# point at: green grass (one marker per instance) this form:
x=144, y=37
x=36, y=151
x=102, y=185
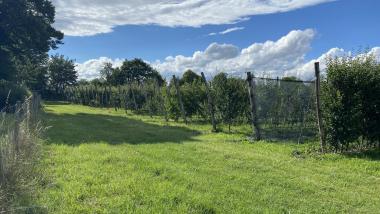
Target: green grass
x=102, y=161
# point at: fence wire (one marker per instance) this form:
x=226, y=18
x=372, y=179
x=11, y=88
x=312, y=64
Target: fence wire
x=285, y=108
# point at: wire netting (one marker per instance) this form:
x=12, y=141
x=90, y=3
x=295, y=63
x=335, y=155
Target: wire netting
x=285, y=107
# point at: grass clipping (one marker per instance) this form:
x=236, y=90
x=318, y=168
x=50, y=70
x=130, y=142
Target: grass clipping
x=19, y=156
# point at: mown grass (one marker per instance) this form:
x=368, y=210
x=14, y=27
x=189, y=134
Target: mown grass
x=102, y=161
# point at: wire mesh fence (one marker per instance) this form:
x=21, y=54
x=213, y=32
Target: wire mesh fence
x=285, y=108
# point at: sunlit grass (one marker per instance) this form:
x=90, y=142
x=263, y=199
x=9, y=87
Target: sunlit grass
x=102, y=161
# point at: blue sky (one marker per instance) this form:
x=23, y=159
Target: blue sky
x=344, y=24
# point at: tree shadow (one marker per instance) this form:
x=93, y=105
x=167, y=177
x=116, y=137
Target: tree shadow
x=81, y=128
x=288, y=134
x=46, y=102
x=373, y=155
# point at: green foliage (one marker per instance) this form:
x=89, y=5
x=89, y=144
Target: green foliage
x=190, y=77
x=61, y=73
x=194, y=99
x=10, y=93
x=27, y=35
x=107, y=71
x=145, y=99
x=134, y=71
x=193, y=94
x=171, y=102
x=231, y=97
x=351, y=102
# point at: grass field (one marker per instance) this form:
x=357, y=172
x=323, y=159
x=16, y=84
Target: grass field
x=102, y=161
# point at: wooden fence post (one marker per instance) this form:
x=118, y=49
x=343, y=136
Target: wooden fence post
x=252, y=99
x=318, y=106
x=179, y=97
x=210, y=103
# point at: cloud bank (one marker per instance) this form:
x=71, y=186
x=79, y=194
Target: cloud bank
x=268, y=58
x=91, y=17
x=284, y=57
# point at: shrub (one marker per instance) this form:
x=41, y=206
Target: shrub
x=351, y=102
x=10, y=93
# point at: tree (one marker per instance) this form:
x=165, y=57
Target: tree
x=34, y=76
x=61, y=72
x=350, y=98
x=138, y=71
x=231, y=98
x=26, y=35
x=107, y=71
x=190, y=77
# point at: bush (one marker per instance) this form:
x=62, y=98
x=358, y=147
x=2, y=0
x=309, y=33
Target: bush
x=351, y=102
x=10, y=93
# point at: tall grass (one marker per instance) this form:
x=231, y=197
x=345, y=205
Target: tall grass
x=19, y=155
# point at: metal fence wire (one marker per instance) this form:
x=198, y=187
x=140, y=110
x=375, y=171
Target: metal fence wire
x=286, y=108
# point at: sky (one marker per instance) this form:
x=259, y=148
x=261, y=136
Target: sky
x=268, y=37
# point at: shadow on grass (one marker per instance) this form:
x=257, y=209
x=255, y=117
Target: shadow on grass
x=56, y=103
x=288, y=134
x=76, y=129
x=373, y=155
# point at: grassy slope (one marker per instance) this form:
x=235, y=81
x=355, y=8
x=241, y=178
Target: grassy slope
x=105, y=162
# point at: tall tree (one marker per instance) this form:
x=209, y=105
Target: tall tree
x=26, y=34
x=138, y=71
x=61, y=73
x=190, y=77
x=107, y=71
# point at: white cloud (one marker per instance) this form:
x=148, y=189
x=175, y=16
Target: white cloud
x=268, y=58
x=284, y=57
x=90, y=17
x=306, y=71
x=91, y=69
x=229, y=30
x=375, y=52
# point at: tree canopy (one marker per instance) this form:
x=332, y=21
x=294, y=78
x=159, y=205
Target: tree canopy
x=26, y=35
x=190, y=77
x=61, y=72
x=133, y=71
